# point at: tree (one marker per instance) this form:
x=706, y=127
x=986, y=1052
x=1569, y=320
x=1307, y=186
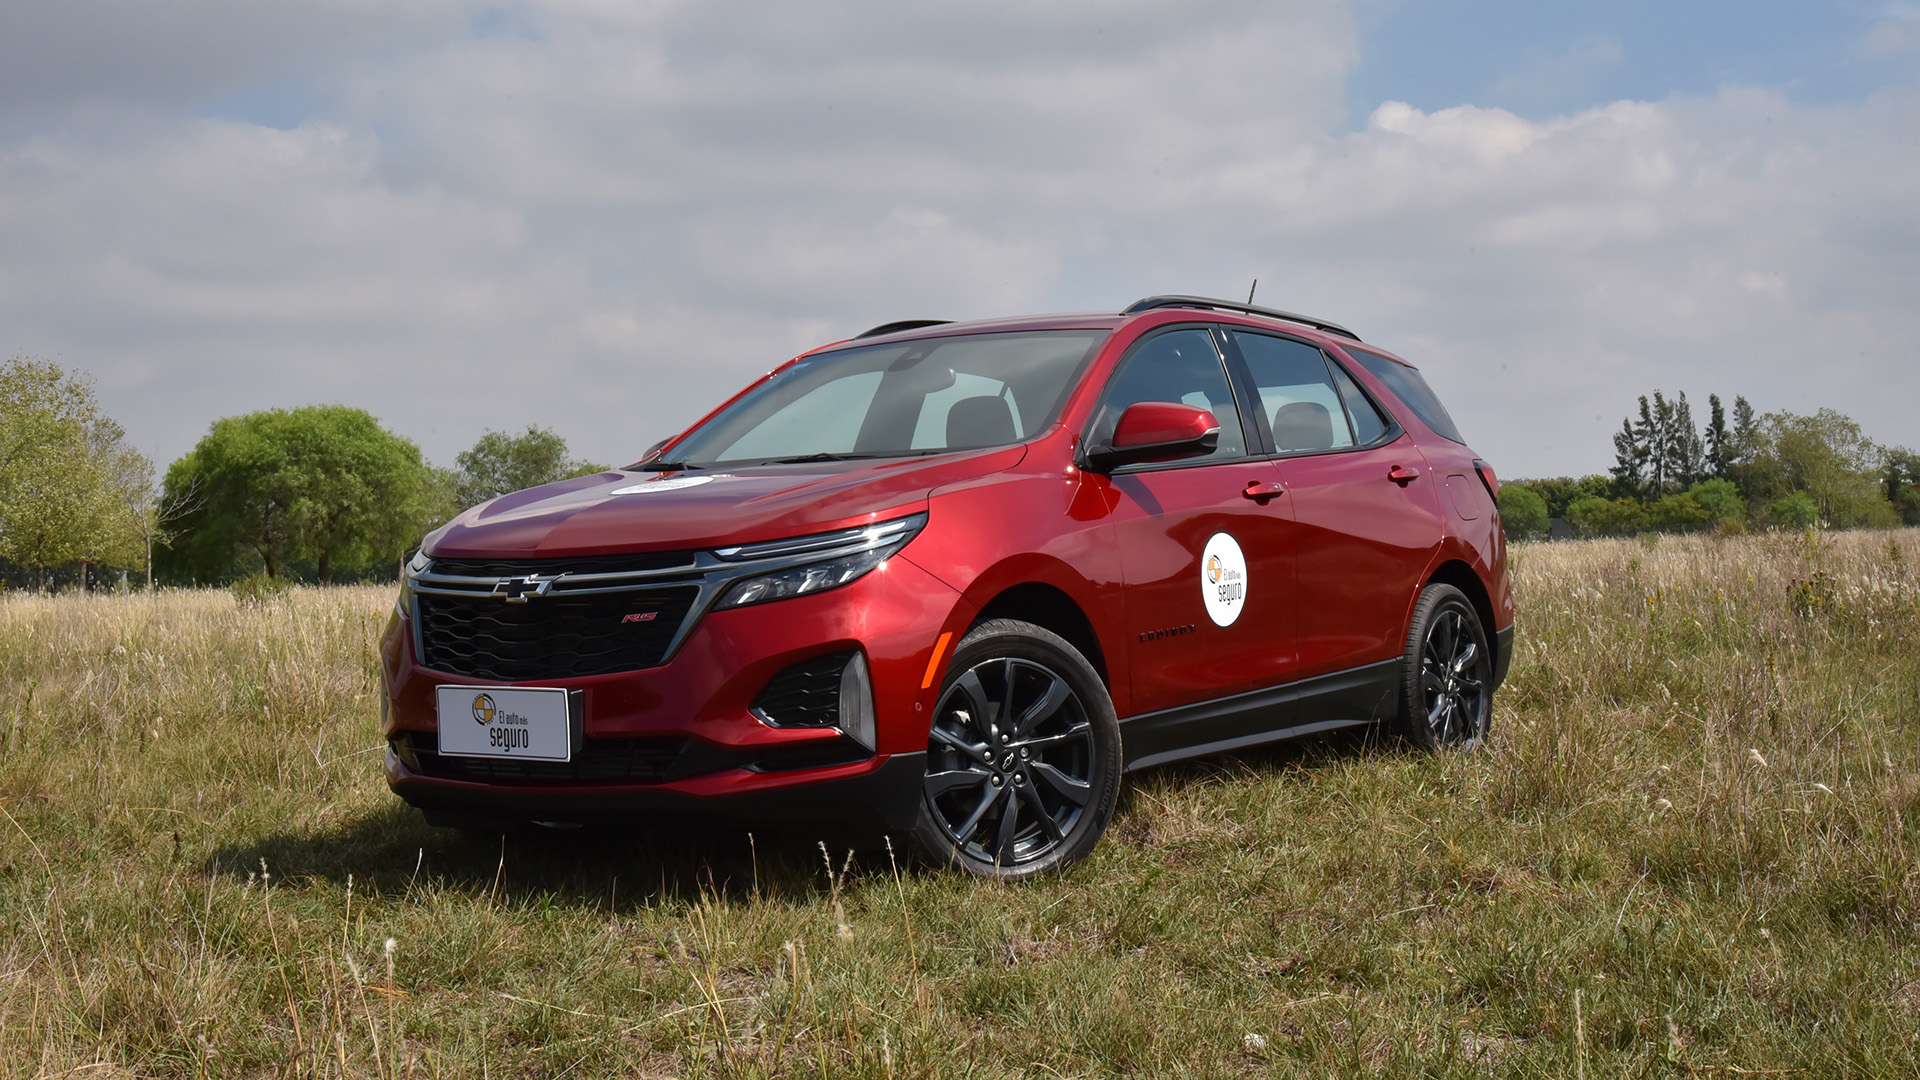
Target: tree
x=1659, y=452
x=68, y=482
x=1719, y=499
x=1592, y=515
x=500, y=463
x=1559, y=492
x=1632, y=453
x=1797, y=510
x=1522, y=513
x=1903, y=483
x=1719, y=441
x=1827, y=456
x=322, y=484
x=1679, y=512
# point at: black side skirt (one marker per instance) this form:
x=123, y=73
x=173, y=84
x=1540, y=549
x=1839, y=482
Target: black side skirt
x=1361, y=695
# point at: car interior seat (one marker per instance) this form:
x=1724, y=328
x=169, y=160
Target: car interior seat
x=985, y=420
x=1303, y=425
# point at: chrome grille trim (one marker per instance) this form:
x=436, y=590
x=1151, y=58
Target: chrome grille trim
x=711, y=572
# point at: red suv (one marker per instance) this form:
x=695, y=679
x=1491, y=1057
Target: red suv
x=954, y=579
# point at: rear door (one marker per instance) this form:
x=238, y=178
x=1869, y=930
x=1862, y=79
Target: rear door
x=1365, y=510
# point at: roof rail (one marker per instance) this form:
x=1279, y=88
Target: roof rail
x=903, y=324
x=1153, y=302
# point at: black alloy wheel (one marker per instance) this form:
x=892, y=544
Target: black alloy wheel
x=1447, y=674
x=1023, y=755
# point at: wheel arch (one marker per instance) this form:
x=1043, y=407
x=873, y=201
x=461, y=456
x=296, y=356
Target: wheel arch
x=1050, y=608
x=1461, y=576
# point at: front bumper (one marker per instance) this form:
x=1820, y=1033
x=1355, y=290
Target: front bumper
x=727, y=763
x=881, y=794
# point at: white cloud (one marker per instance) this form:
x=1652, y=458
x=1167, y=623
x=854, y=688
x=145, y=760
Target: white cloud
x=604, y=217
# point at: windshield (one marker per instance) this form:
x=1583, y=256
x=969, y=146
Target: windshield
x=913, y=397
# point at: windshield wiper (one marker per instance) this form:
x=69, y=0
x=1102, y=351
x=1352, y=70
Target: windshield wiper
x=822, y=456
x=665, y=466
x=864, y=455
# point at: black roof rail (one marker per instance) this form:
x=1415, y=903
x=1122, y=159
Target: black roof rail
x=903, y=324
x=1152, y=302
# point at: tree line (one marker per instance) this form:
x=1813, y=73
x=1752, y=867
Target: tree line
x=1734, y=472
x=324, y=493
x=318, y=493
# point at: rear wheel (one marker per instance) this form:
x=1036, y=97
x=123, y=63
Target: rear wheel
x=1023, y=755
x=1446, y=678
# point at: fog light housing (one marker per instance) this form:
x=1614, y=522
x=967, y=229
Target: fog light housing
x=831, y=691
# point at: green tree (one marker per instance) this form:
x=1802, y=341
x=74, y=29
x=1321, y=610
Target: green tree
x=500, y=463
x=1720, y=499
x=1522, y=513
x=1796, y=510
x=1903, y=483
x=322, y=484
x=70, y=489
x=1679, y=512
x=1559, y=492
x=1827, y=456
x=1592, y=515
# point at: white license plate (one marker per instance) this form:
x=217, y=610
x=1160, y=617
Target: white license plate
x=505, y=722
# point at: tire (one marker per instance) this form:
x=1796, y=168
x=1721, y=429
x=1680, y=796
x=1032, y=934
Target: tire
x=1446, y=676
x=1014, y=801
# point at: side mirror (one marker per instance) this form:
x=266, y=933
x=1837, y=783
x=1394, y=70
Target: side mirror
x=1157, y=431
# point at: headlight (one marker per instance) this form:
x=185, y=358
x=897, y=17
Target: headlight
x=841, y=557
x=419, y=564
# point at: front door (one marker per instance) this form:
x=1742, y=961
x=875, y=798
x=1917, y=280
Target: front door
x=1207, y=564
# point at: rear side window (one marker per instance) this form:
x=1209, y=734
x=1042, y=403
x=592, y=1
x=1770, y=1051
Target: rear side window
x=1309, y=401
x=1409, y=387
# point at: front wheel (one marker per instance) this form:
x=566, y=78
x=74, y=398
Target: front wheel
x=1446, y=676
x=1023, y=756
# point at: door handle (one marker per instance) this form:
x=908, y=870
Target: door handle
x=1261, y=492
x=1402, y=475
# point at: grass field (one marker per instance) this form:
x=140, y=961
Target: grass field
x=1691, y=847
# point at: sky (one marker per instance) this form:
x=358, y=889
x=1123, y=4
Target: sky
x=604, y=216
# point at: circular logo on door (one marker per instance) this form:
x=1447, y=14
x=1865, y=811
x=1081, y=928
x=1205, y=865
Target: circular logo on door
x=483, y=708
x=1223, y=579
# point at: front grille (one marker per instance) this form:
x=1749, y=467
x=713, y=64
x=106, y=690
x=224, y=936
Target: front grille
x=585, y=564
x=806, y=694
x=605, y=761
x=554, y=637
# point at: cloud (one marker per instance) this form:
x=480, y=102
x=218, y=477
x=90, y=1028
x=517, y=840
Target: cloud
x=605, y=217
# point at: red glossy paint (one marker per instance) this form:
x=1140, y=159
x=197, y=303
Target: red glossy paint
x=1336, y=545
x=1161, y=423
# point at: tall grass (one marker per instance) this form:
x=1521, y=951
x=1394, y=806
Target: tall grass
x=1689, y=848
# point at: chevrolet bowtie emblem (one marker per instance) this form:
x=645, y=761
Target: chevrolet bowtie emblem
x=518, y=590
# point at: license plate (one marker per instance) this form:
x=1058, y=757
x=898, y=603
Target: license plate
x=505, y=722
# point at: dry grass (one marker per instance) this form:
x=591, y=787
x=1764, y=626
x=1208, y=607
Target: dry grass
x=1689, y=849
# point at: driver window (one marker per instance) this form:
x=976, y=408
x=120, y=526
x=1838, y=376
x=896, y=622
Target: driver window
x=1180, y=366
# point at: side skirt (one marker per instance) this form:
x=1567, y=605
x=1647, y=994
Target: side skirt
x=1344, y=699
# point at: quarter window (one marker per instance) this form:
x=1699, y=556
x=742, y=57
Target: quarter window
x=1409, y=387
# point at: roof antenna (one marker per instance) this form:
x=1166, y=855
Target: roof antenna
x=1250, y=288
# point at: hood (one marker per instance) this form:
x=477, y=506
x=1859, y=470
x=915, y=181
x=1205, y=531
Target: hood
x=617, y=512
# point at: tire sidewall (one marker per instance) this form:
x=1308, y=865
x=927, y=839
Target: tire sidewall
x=1412, y=726
x=1000, y=638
